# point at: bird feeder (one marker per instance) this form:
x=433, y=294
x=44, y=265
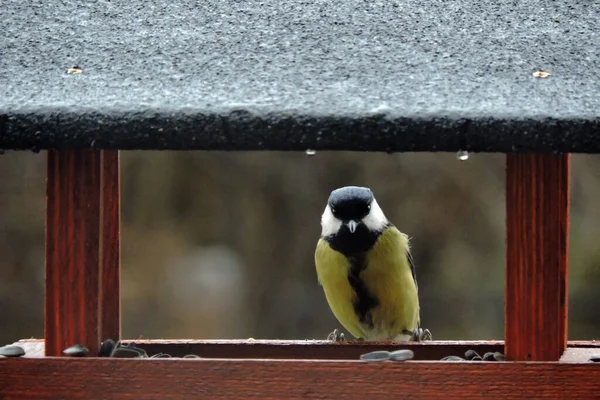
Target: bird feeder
x=86, y=80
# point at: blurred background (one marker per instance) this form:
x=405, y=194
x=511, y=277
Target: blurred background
x=220, y=245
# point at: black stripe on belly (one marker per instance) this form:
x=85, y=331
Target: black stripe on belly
x=365, y=301
x=355, y=247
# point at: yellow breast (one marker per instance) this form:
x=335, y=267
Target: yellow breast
x=388, y=279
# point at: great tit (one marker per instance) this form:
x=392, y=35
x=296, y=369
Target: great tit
x=366, y=270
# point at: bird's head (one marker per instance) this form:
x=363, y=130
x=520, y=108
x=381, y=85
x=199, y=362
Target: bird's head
x=351, y=209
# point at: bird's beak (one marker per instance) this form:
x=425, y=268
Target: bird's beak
x=352, y=225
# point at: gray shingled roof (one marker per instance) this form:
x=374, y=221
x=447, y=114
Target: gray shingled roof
x=391, y=75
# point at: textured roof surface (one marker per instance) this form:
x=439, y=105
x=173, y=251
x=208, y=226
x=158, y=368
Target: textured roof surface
x=391, y=75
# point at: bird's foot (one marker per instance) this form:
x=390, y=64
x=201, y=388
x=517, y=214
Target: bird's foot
x=421, y=335
x=336, y=336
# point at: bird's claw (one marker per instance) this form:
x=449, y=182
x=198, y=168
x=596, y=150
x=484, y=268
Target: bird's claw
x=336, y=336
x=421, y=335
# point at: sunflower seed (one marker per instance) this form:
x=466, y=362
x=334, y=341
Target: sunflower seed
x=489, y=356
x=125, y=352
x=115, y=347
x=499, y=356
x=12, y=351
x=191, y=356
x=161, y=355
x=381, y=355
x=471, y=354
x=77, y=350
x=106, y=348
x=402, y=355
x=453, y=358
x=595, y=357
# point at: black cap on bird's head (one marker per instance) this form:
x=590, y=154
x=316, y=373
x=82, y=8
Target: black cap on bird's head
x=351, y=203
x=351, y=209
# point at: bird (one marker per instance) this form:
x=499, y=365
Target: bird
x=366, y=270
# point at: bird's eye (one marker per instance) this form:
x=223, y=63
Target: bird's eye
x=369, y=207
x=332, y=210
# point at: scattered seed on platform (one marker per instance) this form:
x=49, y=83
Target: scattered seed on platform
x=12, y=351
x=489, y=356
x=499, y=356
x=115, y=347
x=453, y=358
x=381, y=355
x=126, y=352
x=141, y=351
x=595, y=357
x=402, y=355
x=77, y=350
x=106, y=348
x=476, y=358
x=471, y=354
x=161, y=355
x=191, y=356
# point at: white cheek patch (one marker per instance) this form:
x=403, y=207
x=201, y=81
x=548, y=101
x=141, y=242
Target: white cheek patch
x=330, y=225
x=375, y=220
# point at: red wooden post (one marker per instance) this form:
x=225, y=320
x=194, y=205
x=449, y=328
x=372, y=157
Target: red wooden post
x=537, y=229
x=110, y=289
x=80, y=249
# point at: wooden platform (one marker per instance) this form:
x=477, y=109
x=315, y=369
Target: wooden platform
x=298, y=370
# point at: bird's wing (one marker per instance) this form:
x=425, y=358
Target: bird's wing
x=411, y=261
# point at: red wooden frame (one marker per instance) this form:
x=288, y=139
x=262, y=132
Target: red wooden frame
x=102, y=378
x=82, y=249
x=83, y=306
x=537, y=231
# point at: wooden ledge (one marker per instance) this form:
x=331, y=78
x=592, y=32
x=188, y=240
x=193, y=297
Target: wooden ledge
x=91, y=378
x=291, y=349
x=315, y=349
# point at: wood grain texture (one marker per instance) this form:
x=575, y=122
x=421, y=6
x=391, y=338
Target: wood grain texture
x=537, y=228
x=290, y=349
x=75, y=250
x=72, y=250
x=98, y=378
x=110, y=288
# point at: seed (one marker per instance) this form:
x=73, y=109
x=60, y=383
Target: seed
x=381, y=355
x=499, y=356
x=471, y=354
x=161, y=355
x=402, y=355
x=141, y=351
x=12, y=351
x=453, y=358
x=106, y=348
x=595, y=357
x=489, y=356
x=115, y=347
x=131, y=346
x=477, y=358
x=77, y=350
x=125, y=352
x=191, y=356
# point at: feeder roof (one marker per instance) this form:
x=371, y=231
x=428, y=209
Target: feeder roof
x=392, y=75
